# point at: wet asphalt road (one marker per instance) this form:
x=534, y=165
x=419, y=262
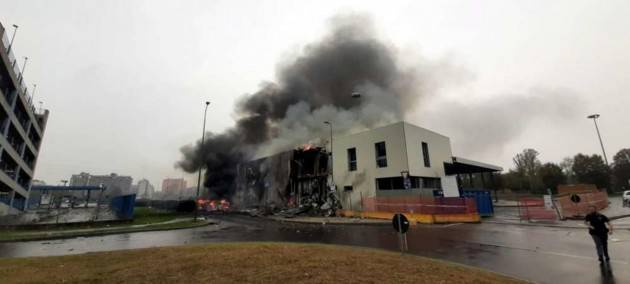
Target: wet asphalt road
x=539, y=254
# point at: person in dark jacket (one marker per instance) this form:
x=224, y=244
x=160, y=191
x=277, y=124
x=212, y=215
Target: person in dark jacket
x=599, y=227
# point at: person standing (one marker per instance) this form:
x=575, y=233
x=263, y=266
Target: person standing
x=599, y=228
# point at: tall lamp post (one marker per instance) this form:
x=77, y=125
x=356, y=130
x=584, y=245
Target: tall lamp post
x=332, y=176
x=203, y=136
x=595, y=117
x=15, y=27
x=23, y=67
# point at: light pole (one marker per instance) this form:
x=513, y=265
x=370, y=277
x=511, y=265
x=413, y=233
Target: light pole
x=15, y=27
x=203, y=136
x=33, y=93
x=332, y=176
x=23, y=67
x=595, y=117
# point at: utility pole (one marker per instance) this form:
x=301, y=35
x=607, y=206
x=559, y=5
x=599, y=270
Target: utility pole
x=203, y=135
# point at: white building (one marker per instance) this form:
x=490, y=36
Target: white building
x=373, y=163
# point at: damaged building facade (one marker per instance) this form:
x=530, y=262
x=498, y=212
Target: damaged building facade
x=396, y=160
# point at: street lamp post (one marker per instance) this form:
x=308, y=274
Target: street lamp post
x=33, y=93
x=23, y=67
x=203, y=136
x=595, y=117
x=332, y=176
x=15, y=27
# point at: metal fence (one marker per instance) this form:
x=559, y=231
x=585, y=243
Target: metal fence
x=531, y=208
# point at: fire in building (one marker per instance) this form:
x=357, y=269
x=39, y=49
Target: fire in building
x=397, y=160
x=355, y=82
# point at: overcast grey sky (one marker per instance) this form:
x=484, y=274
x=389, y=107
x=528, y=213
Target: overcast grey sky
x=126, y=80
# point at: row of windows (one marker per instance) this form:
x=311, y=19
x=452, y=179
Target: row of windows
x=380, y=153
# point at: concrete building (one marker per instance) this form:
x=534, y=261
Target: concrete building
x=400, y=159
x=173, y=186
x=21, y=132
x=145, y=189
x=115, y=185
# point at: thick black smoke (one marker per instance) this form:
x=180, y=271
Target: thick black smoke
x=316, y=83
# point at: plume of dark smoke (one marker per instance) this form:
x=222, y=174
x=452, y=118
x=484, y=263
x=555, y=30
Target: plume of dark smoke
x=316, y=85
x=311, y=88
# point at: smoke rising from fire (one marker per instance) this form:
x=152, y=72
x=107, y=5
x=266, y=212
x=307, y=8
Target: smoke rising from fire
x=316, y=86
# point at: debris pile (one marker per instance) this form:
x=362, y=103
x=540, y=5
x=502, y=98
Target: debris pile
x=289, y=183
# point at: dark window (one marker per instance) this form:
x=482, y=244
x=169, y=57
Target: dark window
x=432, y=183
x=383, y=184
x=392, y=183
x=347, y=188
x=397, y=183
x=425, y=154
x=381, y=155
x=352, y=159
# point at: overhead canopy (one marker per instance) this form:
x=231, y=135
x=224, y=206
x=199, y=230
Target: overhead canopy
x=61, y=187
x=465, y=166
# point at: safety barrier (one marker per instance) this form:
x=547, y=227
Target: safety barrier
x=415, y=217
x=571, y=209
x=420, y=205
x=530, y=208
x=419, y=209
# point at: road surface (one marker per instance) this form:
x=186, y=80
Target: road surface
x=539, y=254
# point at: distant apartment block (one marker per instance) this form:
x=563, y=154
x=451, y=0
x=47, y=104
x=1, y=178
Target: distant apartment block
x=115, y=185
x=21, y=132
x=173, y=185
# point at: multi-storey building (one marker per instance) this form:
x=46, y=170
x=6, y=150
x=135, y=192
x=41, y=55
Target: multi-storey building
x=114, y=184
x=173, y=185
x=21, y=132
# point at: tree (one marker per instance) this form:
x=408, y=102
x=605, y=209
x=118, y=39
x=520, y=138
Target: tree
x=567, y=168
x=551, y=175
x=621, y=169
x=592, y=170
x=514, y=181
x=526, y=165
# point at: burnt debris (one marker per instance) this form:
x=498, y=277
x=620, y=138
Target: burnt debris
x=288, y=183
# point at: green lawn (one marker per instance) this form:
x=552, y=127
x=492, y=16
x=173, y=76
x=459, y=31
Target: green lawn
x=243, y=263
x=146, y=215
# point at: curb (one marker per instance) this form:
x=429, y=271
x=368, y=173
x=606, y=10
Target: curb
x=103, y=233
x=289, y=220
x=619, y=217
x=551, y=225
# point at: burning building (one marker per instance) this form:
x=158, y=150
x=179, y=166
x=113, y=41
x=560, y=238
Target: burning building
x=297, y=178
x=317, y=85
x=396, y=160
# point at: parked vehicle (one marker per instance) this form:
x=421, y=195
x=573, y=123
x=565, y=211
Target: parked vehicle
x=626, y=198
